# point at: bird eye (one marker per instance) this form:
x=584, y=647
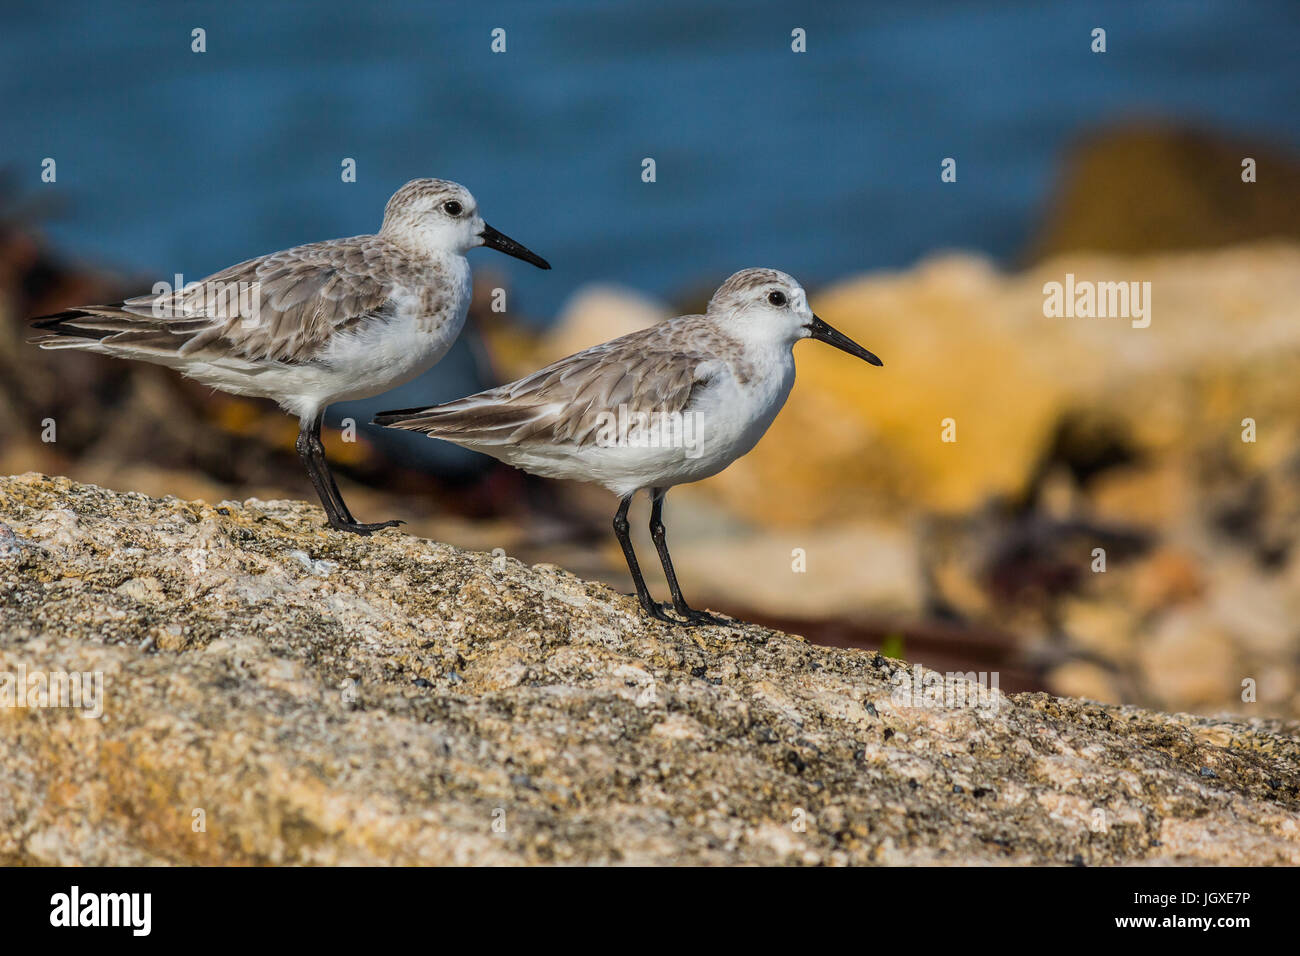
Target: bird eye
x=776, y=298
x=452, y=207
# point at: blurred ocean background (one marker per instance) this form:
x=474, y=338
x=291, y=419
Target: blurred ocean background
x=824, y=164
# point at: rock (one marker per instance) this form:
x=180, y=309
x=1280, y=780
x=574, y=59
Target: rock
x=1147, y=187
x=1105, y=628
x=1190, y=658
x=1087, y=680
x=274, y=692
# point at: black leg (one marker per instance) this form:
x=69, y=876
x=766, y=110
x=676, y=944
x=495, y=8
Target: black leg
x=623, y=533
x=658, y=533
x=312, y=453
x=308, y=439
x=323, y=467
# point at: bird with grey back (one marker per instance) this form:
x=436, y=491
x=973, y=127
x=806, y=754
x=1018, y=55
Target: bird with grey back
x=312, y=325
x=669, y=404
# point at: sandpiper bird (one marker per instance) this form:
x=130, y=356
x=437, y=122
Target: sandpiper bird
x=320, y=323
x=670, y=404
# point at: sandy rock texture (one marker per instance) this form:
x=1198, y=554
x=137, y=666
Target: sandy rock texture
x=274, y=692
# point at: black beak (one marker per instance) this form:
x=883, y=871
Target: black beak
x=503, y=243
x=824, y=333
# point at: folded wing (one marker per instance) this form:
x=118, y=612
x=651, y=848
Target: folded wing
x=282, y=307
x=660, y=369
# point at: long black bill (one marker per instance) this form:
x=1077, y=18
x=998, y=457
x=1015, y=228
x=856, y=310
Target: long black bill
x=824, y=333
x=503, y=243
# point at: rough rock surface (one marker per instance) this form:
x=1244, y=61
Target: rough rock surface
x=278, y=693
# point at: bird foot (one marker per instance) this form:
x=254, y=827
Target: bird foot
x=658, y=612
x=694, y=618
x=357, y=527
x=689, y=616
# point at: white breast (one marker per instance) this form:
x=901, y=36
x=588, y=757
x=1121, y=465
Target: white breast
x=727, y=420
x=737, y=414
x=379, y=355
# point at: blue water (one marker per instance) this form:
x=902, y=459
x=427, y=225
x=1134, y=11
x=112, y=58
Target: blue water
x=823, y=164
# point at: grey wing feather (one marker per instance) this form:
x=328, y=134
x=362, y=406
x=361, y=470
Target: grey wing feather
x=659, y=369
x=281, y=308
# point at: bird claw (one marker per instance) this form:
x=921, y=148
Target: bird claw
x=659, y=613
x=356, y=527
x=689, y=616
x=694, y=618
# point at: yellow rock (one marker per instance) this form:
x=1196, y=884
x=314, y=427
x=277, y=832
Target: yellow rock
x=1084, y=680
x=1189, y=661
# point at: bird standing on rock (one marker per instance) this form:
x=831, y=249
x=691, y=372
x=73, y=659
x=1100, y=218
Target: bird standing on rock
x=663, y=406
x=315, y=324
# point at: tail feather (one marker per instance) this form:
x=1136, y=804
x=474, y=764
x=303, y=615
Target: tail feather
x=461, y=420
x=90, y=324
x=120, y=328
x=400, y=418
